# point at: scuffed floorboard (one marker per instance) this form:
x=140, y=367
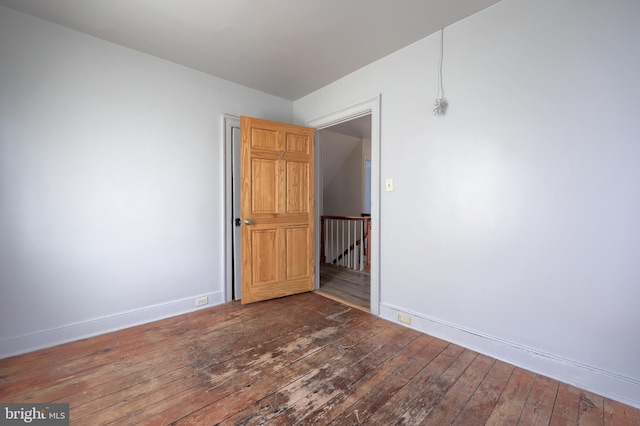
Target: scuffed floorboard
x=304, y=359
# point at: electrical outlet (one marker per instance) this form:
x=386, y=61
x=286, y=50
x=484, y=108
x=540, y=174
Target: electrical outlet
x=202, y=301
x=404, y=318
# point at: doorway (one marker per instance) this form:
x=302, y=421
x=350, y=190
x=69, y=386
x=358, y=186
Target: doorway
x=231, y=124
x=344, y=203
x=368, y=107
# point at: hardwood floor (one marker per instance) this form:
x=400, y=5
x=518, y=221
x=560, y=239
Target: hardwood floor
x=298, y=360
x=346, y=285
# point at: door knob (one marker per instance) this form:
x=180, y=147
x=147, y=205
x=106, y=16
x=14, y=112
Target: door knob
x=248, y=222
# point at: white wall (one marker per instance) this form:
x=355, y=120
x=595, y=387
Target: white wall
x=342, y=183
x=111, y=183
x=527, y=191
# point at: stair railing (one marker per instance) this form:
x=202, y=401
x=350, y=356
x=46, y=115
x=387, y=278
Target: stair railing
x=345, y=241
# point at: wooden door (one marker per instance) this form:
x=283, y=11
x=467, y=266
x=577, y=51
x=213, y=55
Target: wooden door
x=277, y=208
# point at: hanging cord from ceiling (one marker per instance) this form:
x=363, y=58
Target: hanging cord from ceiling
x=441, y=104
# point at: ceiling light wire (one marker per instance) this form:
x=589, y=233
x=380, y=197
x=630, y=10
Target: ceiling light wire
x=441, y=104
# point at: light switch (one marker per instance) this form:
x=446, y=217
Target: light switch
x=389, y=185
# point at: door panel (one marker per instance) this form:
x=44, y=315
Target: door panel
x=277, y=201
x=265, y=139
x=297, y=144
x=298, y=250
x=297, y=188
x=265, y=256
x=265, y=174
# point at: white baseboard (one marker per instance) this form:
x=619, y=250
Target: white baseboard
x=47, y=338
x=596, y=380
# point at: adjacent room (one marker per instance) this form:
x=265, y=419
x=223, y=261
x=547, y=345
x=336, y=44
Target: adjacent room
x=344, y=204
x=491, y=185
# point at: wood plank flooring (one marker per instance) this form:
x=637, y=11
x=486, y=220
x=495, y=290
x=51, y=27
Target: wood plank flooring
x=346, y=285
x=304, y=359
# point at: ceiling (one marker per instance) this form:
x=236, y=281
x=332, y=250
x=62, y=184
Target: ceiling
x=288, y=48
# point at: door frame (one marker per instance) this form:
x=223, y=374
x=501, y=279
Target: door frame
x=229, y=122
x=370, y=106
